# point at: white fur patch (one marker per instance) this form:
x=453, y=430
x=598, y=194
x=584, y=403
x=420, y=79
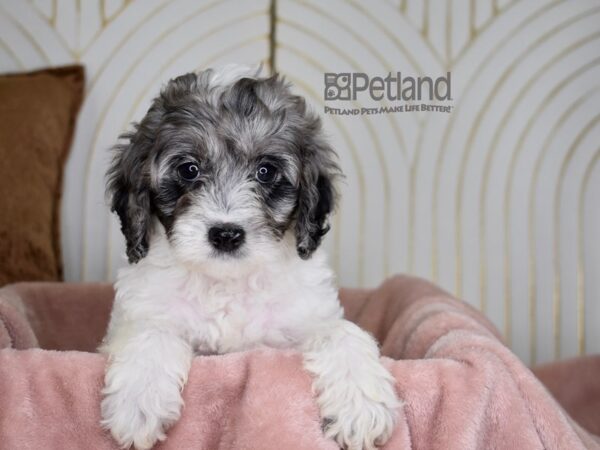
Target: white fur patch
x=164, y=313
x=228, y=74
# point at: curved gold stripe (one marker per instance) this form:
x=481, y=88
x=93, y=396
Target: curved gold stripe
x=448, y=33
x=487, y=167
x=108, y=104
x=41, y=13
x=403, y=4
x=425, y=24
x=534, y=181
x=12, y=54
x=412, y=198
x=374, y=137
x=192, y=14
x=54, y=13
x=102, y=4
x=355, y=159
x=411, y=164
x=444, y=143
x=365, y=12
x=378, y=55
x=272, y=36
x=508, y=196
x=57, y=34
x=469, y=145
x=461, y=53
x=580, y=258
x=100, y=30
x=557, y=239
x=472, y=27
x=106, y=18
x=27, y=34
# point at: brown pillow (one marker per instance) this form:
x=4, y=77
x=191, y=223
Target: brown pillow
x=37, y=119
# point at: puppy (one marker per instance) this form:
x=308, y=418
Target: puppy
x=223, y=192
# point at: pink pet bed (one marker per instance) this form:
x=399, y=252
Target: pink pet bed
x=463, y=389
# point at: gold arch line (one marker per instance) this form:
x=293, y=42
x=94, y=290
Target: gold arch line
x=412, y=163
x=444, y=143
x=377, y=55
x=52, y=25
x=425, y=25
x=106, y=108
x=486, y=174
x=469, y=145
x=448, y=33
x=54, y=12
x=125, y=39
x=580, y=258
x=449, y=60
x=557, y=191
x=192, y=15
x=355, y=159
x=109, y=18
x=536, y=173
x=479, y=31
x=12, y=54
x=403, y=5
x=472, y=27
x=27, y=35
x=397, y=41
x=374, y=137
x=50, y=19
x=572, y=77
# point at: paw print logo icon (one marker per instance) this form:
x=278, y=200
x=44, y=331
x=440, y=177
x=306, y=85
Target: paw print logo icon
x=337, y=86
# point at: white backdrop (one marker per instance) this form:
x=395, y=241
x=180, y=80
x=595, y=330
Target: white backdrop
x=497, y=201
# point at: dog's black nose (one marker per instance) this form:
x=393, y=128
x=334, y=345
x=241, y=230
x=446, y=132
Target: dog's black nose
x=226, y=237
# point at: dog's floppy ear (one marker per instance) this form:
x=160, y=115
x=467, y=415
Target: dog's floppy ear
x=129, y=191
x=129, y=186
x=129, y=181
x=317, y=195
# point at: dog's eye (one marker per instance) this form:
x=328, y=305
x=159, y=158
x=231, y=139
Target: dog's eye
x=189, y=171
x=266, y=173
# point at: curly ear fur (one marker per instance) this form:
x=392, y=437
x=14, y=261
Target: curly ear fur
x=129, y=185
x=317, y=195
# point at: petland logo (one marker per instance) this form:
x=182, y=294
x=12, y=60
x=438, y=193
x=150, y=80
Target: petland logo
x=392, y=88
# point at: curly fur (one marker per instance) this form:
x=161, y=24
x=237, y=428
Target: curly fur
x=182, y=296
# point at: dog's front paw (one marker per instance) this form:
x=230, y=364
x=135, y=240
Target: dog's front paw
x=360, y=416
x=138, y=414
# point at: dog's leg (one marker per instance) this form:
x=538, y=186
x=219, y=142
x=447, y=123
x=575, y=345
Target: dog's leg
x=146, y=372
x=354, y=391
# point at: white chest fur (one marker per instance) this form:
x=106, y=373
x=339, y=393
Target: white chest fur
x=275, y=305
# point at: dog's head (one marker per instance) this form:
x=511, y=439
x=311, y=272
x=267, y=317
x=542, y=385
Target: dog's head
x=229, y=164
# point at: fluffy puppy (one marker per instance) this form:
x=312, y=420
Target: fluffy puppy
x=223, y=192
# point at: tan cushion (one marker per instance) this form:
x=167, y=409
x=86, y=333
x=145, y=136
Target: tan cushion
x=38, y=111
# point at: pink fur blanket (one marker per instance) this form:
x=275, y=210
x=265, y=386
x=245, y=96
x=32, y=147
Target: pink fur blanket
x=463, y=389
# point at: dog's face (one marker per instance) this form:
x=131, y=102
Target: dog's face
x=229, y=164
